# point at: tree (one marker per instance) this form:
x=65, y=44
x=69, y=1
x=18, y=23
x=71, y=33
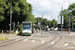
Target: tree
x=38, y=19
x=72, y=7
x=31, y=18
x=1, y=10
x=21, y=10
x=49, y=24
x=54, y=23
x=45, y=22
x=65, y=13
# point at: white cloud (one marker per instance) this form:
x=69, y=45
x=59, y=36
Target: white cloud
x=49, y=8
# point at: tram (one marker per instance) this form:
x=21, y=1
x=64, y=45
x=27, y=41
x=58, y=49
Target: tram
x=26, y=28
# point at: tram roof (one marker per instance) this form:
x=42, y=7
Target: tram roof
x=26, y=22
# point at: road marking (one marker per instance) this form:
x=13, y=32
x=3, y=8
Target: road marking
x=43, y=41
x=49, y=36
x=52, y=43
x=66, y=44
x=25, y=40
x=19, y=39
x=33, y=40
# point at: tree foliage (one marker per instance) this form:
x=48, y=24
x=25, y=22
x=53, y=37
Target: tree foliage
x=46, y=22
x=1, y=10
x=38, y=19
x=54, y=23
x=21, y=11
x=66, y=13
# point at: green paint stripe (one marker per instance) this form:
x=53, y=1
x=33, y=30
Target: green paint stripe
x=27, y=33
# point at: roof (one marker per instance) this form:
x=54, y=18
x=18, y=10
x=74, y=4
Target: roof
x=26, y=22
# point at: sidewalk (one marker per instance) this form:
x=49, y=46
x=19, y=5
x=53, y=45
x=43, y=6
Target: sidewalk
x=10, y=36
x=38, y=36
x=70, y=39
x=65, y=32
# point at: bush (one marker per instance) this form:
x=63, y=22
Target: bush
x=20, y=30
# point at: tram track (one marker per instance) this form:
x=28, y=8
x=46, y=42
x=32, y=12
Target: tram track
x=49, y=48
x=12, y=41
x=49, y=42
x=38, y=47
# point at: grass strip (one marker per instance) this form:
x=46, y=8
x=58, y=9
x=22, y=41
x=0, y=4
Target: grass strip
x=2, y=38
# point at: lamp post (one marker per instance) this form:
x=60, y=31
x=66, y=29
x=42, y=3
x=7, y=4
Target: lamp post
x=42, y=24
x=72, y=23
x=61, y=15
x=54, y=26
x=61, y=18
x=13, y=26
x=72, y=19
x=10, y=15
x=69, y=21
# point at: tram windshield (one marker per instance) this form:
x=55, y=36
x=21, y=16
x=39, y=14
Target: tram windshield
x=26, y=27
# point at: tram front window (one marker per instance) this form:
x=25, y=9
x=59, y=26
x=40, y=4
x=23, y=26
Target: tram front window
x=26, y=27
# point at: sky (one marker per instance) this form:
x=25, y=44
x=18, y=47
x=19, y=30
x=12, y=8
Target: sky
x=49, y=9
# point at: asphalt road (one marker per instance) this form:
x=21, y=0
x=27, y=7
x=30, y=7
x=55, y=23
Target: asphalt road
x=47, y=41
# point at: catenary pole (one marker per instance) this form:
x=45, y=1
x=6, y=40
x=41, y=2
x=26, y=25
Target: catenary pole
x=61, y=18
x=10, y=15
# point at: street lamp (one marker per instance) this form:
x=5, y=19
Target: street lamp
x=54, y=26
x=61, y=15
x=69, y=20
x=61, y=18
x=13, y=26
x=72, y=19
x=10, y=15
x=72, y=23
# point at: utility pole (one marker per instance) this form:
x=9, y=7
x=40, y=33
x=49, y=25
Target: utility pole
x=10, y=15
x=69, y=22
x=61, y=18
x=72, y=23
x=13, y=26
x=54, y=26
x=42, y=24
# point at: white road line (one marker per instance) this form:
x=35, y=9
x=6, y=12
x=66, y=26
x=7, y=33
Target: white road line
x=49, y=36
x=43, y=41
x=19, y=39
x=52, y=43
x=25, y=40
x=66, y=44
x=33, y=40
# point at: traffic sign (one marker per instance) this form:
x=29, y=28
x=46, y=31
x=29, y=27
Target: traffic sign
x=59, y=19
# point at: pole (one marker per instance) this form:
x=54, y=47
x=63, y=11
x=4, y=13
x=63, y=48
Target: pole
x=13, y=28
x=61, y=18
x=18, y=26
x=40, y=32
x=69, y=22
x=10, y=15
x=72, y=23
x=54, y=26
x=50, y=26
x=42, y=24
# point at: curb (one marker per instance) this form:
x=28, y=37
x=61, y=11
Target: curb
x=70, y=40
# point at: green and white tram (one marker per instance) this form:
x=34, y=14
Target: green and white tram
x=26, y=28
